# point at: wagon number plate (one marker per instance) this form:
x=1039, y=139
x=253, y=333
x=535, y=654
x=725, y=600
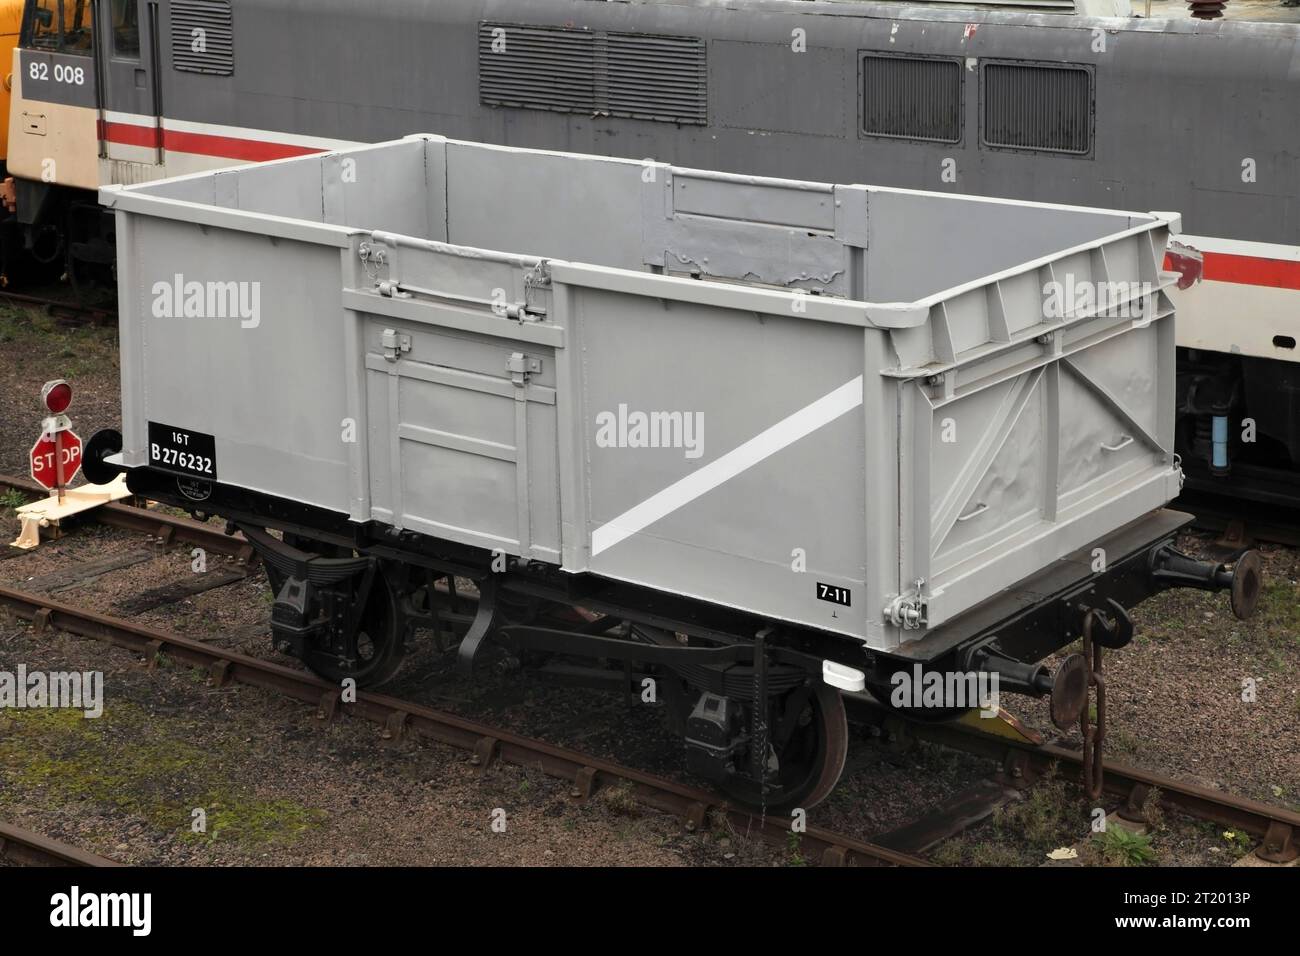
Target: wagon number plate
x=182, y=451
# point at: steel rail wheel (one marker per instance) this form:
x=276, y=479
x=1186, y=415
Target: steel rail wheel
x=808, y=744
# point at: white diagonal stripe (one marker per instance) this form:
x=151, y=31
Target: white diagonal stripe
x=784, y=433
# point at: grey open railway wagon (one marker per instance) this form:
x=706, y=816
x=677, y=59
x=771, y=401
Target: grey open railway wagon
x=758, y=440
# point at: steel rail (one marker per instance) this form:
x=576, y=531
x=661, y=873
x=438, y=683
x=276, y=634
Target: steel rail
x=1277, y=827
x=58, y=308
x=1239, y=526
x=400, y=718
x=32, y=849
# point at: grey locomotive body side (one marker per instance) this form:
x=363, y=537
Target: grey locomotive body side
x=1177, y=105
x=1180, y=115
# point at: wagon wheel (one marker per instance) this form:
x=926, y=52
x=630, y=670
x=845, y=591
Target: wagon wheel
x=379, y=643
x=808, y=744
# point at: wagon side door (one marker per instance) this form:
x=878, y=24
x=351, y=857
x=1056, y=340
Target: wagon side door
x=460, y=405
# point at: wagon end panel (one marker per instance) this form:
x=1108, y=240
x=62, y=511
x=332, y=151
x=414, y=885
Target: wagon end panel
x=1030, y=442
x=231, y=348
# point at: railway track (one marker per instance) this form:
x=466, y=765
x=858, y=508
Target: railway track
x=25, y=848
x=1239, y=523
x=166, y=528
x=65, y=312
x=1021, y=758
x=400, y=719
x=1024, y=758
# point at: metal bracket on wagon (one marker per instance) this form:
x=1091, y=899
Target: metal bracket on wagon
x=898, y=315
x=384, y=250
x=1245, y=581
x=910, y=609
x=520, y=367
x=486, y=621
x=1110, y=625
x=537, y=282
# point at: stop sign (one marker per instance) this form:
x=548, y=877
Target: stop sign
x=44, y=468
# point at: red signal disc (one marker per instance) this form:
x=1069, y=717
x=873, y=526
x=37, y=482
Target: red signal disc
x=57, y=396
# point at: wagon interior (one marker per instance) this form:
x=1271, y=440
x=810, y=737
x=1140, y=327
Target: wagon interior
x=531, y=203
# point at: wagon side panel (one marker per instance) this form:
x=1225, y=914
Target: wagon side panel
x=722, y=454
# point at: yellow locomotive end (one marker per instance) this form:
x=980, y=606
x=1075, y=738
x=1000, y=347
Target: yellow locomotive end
x=11, y=19
x=54, y=108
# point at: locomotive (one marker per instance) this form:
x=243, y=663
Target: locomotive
x=11, y=13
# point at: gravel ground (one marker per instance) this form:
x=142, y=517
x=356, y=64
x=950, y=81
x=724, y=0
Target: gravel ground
x=279, y=788
x=892, y=786
x=35, y=349
x=1204, y=697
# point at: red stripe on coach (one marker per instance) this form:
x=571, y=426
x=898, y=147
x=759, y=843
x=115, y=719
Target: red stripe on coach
x=230, y=147
x=1252, y=270
x=204, y=144
x=128, y=134
x=1249, y=270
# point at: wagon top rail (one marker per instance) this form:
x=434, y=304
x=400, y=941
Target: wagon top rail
x=854, y=254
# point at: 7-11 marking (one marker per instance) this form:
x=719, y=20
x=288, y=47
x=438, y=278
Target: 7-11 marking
x=834, y=594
